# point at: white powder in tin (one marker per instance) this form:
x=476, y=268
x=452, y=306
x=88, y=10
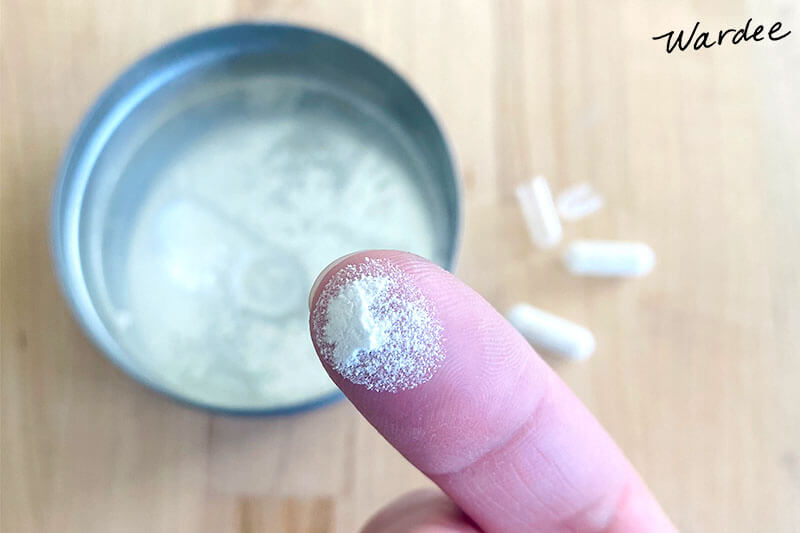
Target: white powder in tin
x=235, y=228
x=376, y=329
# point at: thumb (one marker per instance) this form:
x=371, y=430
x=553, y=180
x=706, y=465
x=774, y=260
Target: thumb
x=427, y=511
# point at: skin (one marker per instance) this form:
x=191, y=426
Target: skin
x=497, y=430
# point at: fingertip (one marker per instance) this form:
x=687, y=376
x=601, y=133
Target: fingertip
x=455, y=364
x=323, y=274
x=372, y=325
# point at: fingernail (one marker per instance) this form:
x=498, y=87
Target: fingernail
x=322, y=274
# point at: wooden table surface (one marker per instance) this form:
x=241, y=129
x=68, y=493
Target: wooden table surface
x=697, y=371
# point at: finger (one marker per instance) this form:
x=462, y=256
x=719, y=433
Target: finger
x=474, y=407
x=423, y=511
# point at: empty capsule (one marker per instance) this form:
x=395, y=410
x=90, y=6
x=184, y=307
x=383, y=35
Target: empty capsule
x=612, y=259
x=539, y=211
x=578, y=201
x=552, y=333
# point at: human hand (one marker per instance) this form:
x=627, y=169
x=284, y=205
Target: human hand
x=493, y=426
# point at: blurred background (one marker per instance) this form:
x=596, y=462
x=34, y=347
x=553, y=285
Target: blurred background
x=697, y=369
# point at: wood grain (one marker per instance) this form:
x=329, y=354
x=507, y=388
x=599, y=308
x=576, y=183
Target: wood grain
x=698, y=365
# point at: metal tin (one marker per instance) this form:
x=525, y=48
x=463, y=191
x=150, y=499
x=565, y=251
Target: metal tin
x=146, y=89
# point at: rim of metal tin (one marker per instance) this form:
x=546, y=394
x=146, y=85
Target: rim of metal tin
x=128, y=90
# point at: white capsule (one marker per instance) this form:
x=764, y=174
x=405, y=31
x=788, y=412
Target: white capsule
x=609, y=259
x=539, y=211
x=548, y=332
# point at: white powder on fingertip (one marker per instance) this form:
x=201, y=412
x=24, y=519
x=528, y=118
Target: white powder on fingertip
x=375, y=328
x=351, y=324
